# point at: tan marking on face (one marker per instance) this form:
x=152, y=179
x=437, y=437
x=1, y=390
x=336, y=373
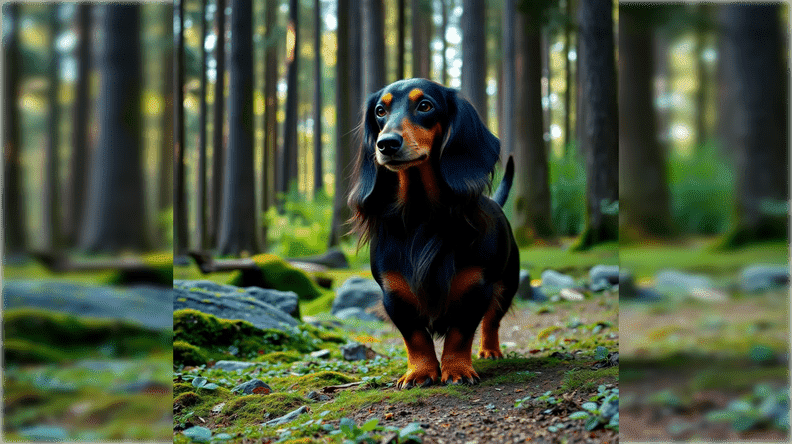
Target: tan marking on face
x=387, y=99
x=416, y=95
x=417, y=139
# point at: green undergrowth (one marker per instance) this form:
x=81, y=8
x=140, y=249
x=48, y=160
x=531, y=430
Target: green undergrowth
x=539, y=258
x=34, y=335
x=588, y=379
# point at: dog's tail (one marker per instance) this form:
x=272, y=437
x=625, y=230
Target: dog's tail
x=502, y=193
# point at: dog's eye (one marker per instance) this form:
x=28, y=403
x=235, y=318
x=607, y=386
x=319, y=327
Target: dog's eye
x=424, y=106
x=380, y=111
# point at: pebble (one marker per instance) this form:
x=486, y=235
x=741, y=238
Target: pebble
x=248, y=387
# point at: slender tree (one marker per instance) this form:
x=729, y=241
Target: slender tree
x=599, y=141
x=421, y=38
x=532, y=186
x=373, y=43
x=400, y=26
x=474, y=66
x=759, y=123
x=115, y=212
x=290, y=146
x=270, y=110
x=644, y=208
x=200, y=200
x=343, y=149
x=567, y=75
x=180, y=231
x=218, y=124
x=355, y=36
x=506, y=124
x=75, y=195
x=444, y=30
x=51, y=232
x=317, y=101
x=237, y=221
x=165, y=164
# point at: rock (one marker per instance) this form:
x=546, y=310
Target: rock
x=333, y=258
x=356, y=313
x=571, y=295
x=248, y=387
x=142, y=305
x=603, y=277
x=553, y=281
x=231, y=366
x=524, y=290
x=538, y=294
x=321, y=354
x=676, y=282
x=313, y=395
x=357, y=352
x=610, y=409
x=629, y=291
x=229, y=302
x=291, y=416
x=758, y=278
x=357, y=292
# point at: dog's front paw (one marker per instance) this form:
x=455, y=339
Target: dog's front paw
x=419, y=377
x=459, y=373
x=490, y=353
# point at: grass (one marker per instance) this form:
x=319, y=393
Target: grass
x=587, y=379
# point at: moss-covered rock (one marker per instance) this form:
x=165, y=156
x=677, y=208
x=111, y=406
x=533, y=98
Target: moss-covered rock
x=276, y=273
x=158, y=271
x=187, y=354
x=186, y=399
x=283, y=357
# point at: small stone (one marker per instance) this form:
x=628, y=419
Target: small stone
x=603, y=277
x=291, y=416
x=357, y=352
x=231, y=366
x=758, y=278
x=555, y=281
x=248, y=387
x=321, y=354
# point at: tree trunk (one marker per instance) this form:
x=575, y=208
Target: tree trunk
x=200, y=202
x=237, y=227
x=15, y=238
x=180, y=231
x=270, y=110
x=547, y=74
x=165, y=164
x=421, y=38
x=701, y=93
x=474, y=56
x=759, y=123
x=643, y=189
x=51, y=228
x=599, y=141
x=355, y=64
x=373, y=46
x=444, y=29
x=290, y=146
x=218, y=125
x=75, y=197
x=317, y=117
x=115, y=213
x=400, y=71
x=506, y=125
x=568, y=77
x=344, y=148
x=532, y=186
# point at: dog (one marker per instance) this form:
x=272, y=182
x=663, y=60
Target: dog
x=441, y=250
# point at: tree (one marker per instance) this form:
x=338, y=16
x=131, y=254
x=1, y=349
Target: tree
x=317, y=101
x=200, y=204
x=237, y=219
x=532, y=186
x=373, y=43
x=114, y=214
x=400, y=70
x=218, y=124
x=443, y=30
x=643, y=192
x=474, y=55
x=567, y=74
x=343, y=149
x=599, y=141
x=759, y=122
x=421, y=37
x=289, y=151
x=78, y=158
x=14, y=235
x=506, y=124
x=51, y=232
x=165, y=164
x=179, y=204
x=270, y=109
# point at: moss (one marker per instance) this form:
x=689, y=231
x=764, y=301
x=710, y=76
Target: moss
x=322, y=379
x=251, y=408
x=186, y=399
x=280, y=357
x=187, y=354
x=159, y=271
x=585, y=379
x=322, y=304
x=20, y=351
x=181, y=387
x=278, y=274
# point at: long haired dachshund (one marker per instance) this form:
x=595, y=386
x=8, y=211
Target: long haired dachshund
x=442, y=251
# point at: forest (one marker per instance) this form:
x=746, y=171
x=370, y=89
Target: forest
x=163, y=155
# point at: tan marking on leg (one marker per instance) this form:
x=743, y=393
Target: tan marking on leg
x=422, y=366
x=456, y=363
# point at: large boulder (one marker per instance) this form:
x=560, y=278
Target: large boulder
x=262, y=308
x=333, y=258
x=357, y=292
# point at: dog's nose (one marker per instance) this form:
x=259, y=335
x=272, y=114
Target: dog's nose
x=388, y=144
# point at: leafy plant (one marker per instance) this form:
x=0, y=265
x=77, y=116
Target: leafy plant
x=602, y=409
x=568, y=192
x=366, y=432
x=764, y=408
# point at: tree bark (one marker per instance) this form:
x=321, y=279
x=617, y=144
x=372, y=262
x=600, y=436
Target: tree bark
x=643, y=189
x=237, y=227
x=180, y=231
x=290, y=146
x=532, y=186
x=599, y=141
x=317, y=108
x=373, y=43
x=568, y=77
x=14, y=235
x=51, y=220
x=165, y=164
x=759, y=123
x=218, y=126
x=506, y=125
x=269, y=168
x=400, y=27
x=474, y=55
x=344, y=148
x=200, y=202
x=421, y=39
x=115, y=213
x=444, y=29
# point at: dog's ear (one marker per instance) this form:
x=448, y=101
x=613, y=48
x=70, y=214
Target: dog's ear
x=470, y=151
x=365, y=175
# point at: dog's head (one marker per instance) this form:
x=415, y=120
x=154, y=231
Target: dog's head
x=416, y=121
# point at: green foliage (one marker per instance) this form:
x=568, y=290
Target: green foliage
x=165, y=222
x=601, y=410
x=568, y=192
x=276, y=273
x=187, y=354
x=702, y=191
x=304, y=226
x=765, y=408
x=365, y=433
